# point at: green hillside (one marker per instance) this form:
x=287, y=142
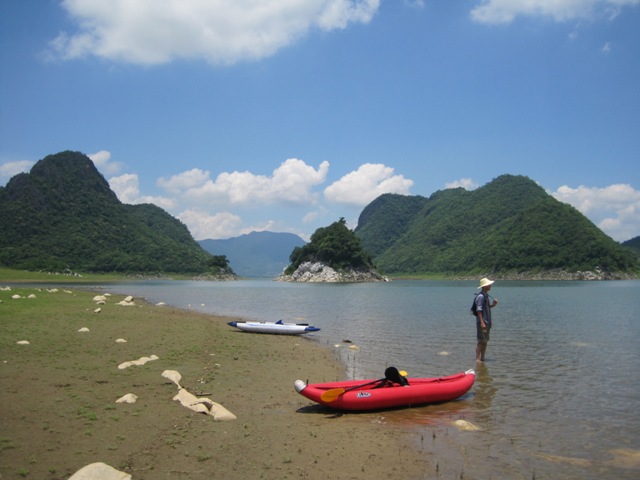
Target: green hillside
x=64, y=216
x=509, y=225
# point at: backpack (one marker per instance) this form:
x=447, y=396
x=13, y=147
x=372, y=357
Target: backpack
x=474, y=308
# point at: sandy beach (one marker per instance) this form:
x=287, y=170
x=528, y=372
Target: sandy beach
x=59, y=397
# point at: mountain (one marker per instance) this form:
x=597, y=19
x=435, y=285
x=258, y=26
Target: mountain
x=64, y=216
x=257, y=254
x=510, y=225
x=633, y=243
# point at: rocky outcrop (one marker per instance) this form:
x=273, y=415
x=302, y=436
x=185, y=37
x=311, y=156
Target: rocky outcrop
x=319, y=272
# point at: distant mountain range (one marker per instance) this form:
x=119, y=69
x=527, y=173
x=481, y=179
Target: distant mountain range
x=257, y=254
x=63, y=216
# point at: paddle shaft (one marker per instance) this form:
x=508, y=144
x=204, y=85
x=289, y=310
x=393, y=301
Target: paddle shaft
x=334, y=393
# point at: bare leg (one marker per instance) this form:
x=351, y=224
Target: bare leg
x=481, y=348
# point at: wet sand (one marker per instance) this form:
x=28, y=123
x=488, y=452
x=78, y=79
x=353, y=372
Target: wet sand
x=59, y=391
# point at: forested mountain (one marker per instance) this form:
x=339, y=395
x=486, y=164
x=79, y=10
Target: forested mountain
x=634, y=244
x=64, y=216
x=335, y=246
x=509, y=225
x=257, y=254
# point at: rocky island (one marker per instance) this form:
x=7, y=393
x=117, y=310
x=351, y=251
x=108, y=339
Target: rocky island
x=333, y=255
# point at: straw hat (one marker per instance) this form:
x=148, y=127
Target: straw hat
x=485, y=282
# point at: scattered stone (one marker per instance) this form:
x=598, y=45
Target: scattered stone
x=84, y=329
x=464, y=425
x=319, y=272
x=173, y=375
x=140, y=361
x=99, y=471
x=23, y=342
x=120, y=340
x=97, y=310
x=204, y=405
x=128, y=398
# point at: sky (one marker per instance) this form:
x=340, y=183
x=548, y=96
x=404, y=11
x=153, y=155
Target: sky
x=286, y=115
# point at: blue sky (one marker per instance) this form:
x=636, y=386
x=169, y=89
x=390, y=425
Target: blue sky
x=288, y=116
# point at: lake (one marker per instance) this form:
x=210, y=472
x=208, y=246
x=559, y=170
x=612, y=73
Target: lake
x=558, y=396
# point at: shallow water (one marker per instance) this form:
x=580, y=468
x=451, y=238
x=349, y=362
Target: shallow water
x=558, y=396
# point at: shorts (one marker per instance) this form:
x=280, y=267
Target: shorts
x=482, y=336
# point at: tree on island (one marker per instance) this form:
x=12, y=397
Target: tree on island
x=335, y=246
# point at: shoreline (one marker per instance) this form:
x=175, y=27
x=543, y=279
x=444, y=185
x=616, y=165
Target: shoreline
x=60, y=393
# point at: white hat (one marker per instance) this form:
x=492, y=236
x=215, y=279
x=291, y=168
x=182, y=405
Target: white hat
x=485, y=282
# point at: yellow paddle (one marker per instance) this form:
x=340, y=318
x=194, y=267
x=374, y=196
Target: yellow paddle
x=332, y=394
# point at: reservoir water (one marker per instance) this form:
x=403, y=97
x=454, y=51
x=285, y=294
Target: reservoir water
x=559, y=394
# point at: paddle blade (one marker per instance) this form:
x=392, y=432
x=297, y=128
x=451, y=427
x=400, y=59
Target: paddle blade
x=331, y=395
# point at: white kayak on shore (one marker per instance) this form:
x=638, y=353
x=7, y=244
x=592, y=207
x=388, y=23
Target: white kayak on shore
x=278, y=327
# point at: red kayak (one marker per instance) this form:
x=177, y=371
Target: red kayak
x=392, y=391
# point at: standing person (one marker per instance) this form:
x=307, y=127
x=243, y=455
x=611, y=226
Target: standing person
x=483, y=317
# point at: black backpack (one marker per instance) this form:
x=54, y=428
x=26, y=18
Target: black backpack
x=474, y=308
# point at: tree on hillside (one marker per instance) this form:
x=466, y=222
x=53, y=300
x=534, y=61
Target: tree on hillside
x=335, y=246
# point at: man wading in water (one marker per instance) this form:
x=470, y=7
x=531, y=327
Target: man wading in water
x=483, y=317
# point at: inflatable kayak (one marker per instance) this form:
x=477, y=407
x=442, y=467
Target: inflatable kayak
x=278, y=327
x=391, y=391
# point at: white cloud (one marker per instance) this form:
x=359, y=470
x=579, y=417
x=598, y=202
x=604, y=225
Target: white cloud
x=290, y=183
x=466, y=183
x=152, y=32
x=364, y=185
x=102, y=161
x=506, y=11
x=615, y=209
x=203, y=225
x=10, y=169
x=127, y=189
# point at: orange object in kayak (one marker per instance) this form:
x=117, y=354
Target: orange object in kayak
x=359, y=395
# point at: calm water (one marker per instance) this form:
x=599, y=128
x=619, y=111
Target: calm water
x=559, y=395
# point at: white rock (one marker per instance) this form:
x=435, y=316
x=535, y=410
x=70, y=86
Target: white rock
x=140, y=361
x=121, y=340
x=84, y=329
x=464, y=425
x=204, y=405
x=128, y=398
x=99, y=471
x=173, y=375
x=23, y=342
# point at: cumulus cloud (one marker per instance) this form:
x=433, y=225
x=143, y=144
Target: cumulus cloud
x=505, y=11
x=102, y=161
x=466, y=183
x=203, y=225
x=127, y=189
x=364, y=185
x=290, y=183
x=150, y=32
x=10, y=169
x=615, y=209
